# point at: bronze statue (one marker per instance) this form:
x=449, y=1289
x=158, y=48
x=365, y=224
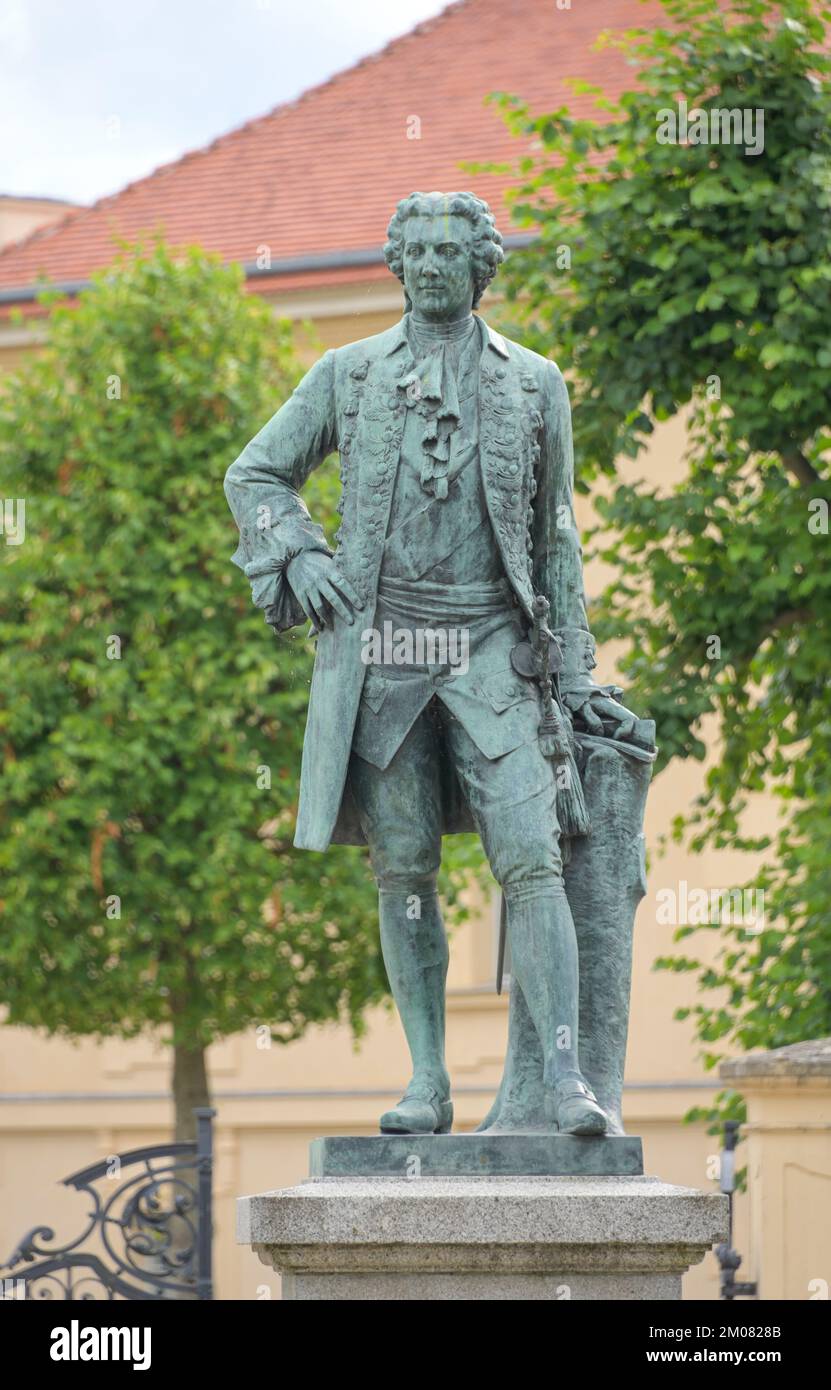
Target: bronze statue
x=454, y=597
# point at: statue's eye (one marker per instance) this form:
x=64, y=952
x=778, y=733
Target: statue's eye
x=414, y=248
x=447, y=250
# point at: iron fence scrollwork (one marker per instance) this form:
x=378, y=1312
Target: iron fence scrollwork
x=148, y=1232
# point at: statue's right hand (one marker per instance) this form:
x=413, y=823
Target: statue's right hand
x=320, y=588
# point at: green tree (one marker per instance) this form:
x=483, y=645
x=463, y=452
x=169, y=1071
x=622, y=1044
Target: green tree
x=148, y=875
x=696, y=276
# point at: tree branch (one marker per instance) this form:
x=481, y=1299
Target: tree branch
x=802, y=468
x=789, y=617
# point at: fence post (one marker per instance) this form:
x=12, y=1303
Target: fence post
x=204, y=1164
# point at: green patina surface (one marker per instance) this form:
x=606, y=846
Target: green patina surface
x=458, y=524
x=466, y=1155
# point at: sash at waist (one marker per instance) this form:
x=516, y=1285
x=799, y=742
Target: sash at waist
x=424, y=601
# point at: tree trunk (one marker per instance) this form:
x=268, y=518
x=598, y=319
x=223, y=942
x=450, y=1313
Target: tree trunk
x=190, y=1087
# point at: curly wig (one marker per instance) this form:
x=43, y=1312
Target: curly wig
x=487, y=244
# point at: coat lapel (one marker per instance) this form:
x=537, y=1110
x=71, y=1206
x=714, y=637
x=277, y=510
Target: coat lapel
x=380, y=431
x=506, y=476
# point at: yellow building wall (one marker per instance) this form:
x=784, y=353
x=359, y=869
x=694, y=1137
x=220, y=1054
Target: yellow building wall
x=64, y=1105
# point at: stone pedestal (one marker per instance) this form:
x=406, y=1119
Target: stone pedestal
x=482, y=1238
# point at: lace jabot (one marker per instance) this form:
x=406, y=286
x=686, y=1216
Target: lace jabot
x=431, y=389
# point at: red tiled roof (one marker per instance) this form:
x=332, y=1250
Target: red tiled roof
x=323, y=173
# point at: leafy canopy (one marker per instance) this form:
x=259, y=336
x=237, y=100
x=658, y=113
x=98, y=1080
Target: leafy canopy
x=148, y=875
x=696, y=278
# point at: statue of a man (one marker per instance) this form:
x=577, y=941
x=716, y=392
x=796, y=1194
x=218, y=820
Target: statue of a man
x=430, y=710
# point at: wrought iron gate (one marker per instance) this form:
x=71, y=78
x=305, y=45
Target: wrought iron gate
x=148, y=1237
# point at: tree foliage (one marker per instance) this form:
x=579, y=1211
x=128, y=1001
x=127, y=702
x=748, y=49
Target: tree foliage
x=696, y=278
x=148, y=874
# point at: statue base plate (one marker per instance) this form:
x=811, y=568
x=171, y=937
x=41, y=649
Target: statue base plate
x=475, y=1155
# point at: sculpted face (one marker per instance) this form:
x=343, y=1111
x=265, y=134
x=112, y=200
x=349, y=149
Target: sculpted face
x=438, y=266
x=579, y=657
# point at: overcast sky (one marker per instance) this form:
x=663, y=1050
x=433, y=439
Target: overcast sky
x=96, y=93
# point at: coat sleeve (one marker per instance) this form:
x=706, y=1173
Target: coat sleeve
x=557, y=554
x=263, y=491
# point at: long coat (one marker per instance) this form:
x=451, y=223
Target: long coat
x=351, y=401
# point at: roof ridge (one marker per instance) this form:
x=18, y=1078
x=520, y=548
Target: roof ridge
x=281, y=108
x=374, y=57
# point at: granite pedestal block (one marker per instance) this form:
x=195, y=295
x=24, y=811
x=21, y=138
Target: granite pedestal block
x=547, y=1238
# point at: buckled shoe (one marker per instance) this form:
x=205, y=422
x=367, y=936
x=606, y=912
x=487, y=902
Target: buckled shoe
x=421, y=1110
x=576, y=1107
